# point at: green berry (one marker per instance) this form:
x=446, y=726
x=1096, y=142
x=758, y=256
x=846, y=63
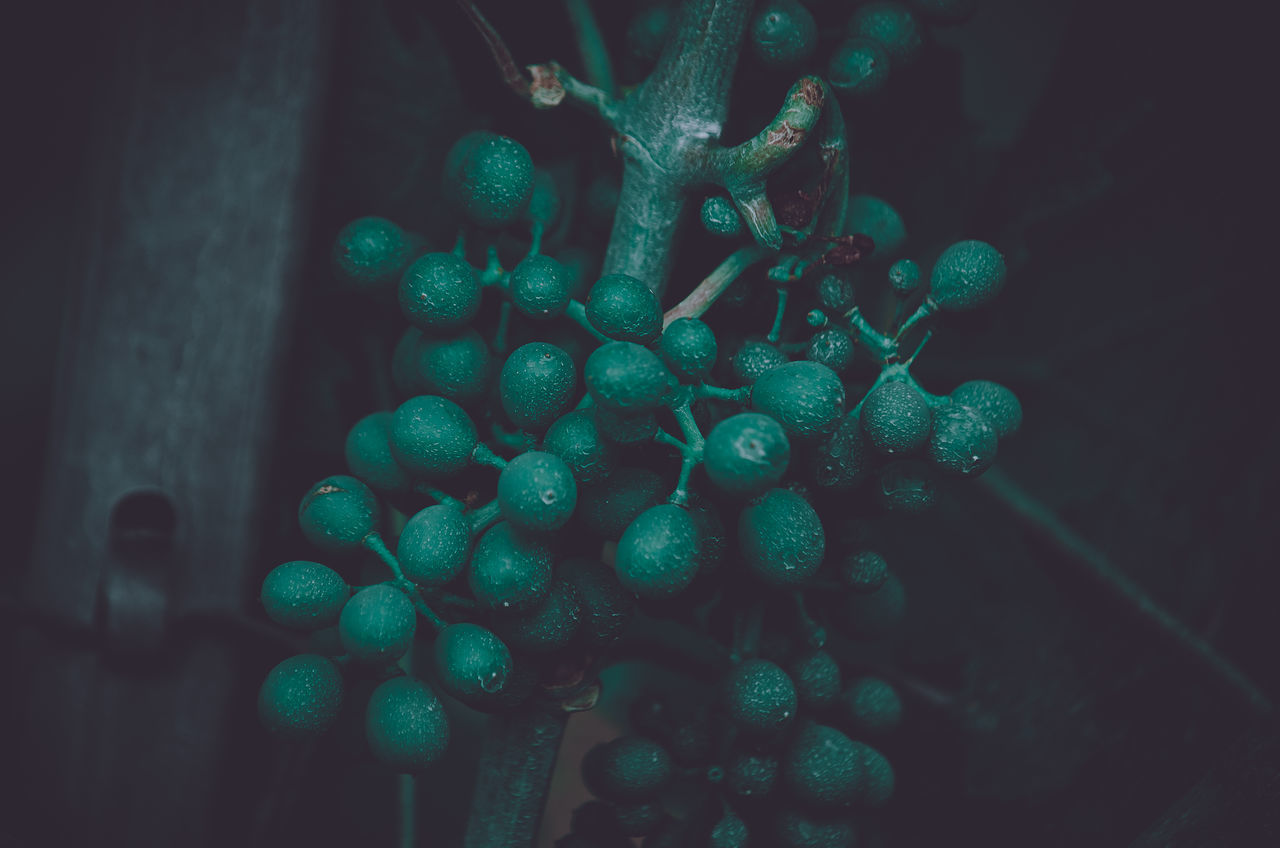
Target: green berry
x=495, y=181
x=890, y=24
x=720, y=217
x=368, y=454
x=536, y=492
x=832, y=348
x=405, y=725
x=996, y=403
x=338, y=513
x=301, y=696
x=806, y=398
x=858, y=67
x=627, y=769
x=509, y=571
x=904, y=277
x=549, y=626
x=377, y=624
x=540, y=287
x=751, y=775
x=864, y=571
x=760, y=698
x=625, y=377
x=746, y=453
x=755, y=359
x=895, y=418
x=962, y=441
x=781, y=537
x=874, y=217
x=472, y=662
x=657, y=556
x=688, y=347
x=823, y=767
x=872, y=706
x=304, y=595
x=801, y=830
x=840, y=461
x=439, y=292
x=817, y=678
x=625, y=309
x=432, y=436
x=434, y=545
x=537, y=385
x=906, y=486
x=835, y=293
x=605, y=606
x=966, y=275
x=729, y=832
x=622, y=429
x=575, y=438
x=782, y=33
x=608, y=508
x=877, y=613
x=453, y=176
x=371, y=253
x=877, y=777
x=455, y=366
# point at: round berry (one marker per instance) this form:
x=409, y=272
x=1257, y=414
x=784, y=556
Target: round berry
x=301, y=696
x=801, y=830
x=575, y=438
x=823, y=767
x=549, y=626
x=720, y=217
x=432, y=436
x=832, y=348
x=755, y=359
x=338, y=513
x=835, y=293
x=605, y=606
x=872, y=706
x=377, y=624
x=625, y=377
x=996, y=403
x=628, y=769
x=368, y=454
x=874, y=217
x=509, y=571
x=877, y=777
x=895, y=418
x=657, y=556
x=892, y=25
x=455, y=366
x=906, y=486
x=781, y=537
x=371, y=253
x=746, y=453
x=751, y=775
x=904, y=277
x=840, y=460
x=864, y=571
x=966, y=275
x=782, y=33
x=858, y=67
x=472, y=662
x=439, y=292
x=729, y=832
x=536, y=492
x=452, y=176
x=537, y=385
x=434, y=545
x=806, y=398
x=689, y=348
x=405, y=725
x=304, y=595
x=760, y=697
x=496, y=181
x=623, y=308
x=962, y=441
x=817, y=678
x=540, y=287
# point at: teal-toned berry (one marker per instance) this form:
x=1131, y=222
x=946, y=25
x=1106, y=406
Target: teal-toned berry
x=877, y=613
x=628, y=769
x=405, y=725
x=871, y=706
x=608, y=508
x=720, y=217
x=966, y=275
x=892, y=25
x=657, y=556
x=781, y=537
x=434, y=545
x=832, y=348
x=840, y=460
x=729, y=832
x=304, y=595
x=877, y=777
x=540, y=287
x=338, y=513
x=817, y=677
x=794, y=829
x=907, y=486
x=509, y=570
x=782, y=33
x=760, y=697
x=649, y=31
x=864, y=571
x=748, y=774
x=755, y=359
x=301, y=696
x=605, y=607
x=549, y=626
x=536, y=492
x=371, y=253
x=823, y=768
x=456, y=366
x=472, y=662
x=896, y=418
x=624, y=309
x=835, y=293
x=806, y=398
x=746, y=454
x=451, y=183
x=689, y=348
x=859, y=67
x=996, y=403
x=432, y=436
x=368, y=454
x=377, y=624
x=876, y=218
x=626, y=378
x=439, y=292
x=496, y=181
x=962, y=441
x=944, y=12
x=575, y=438
x=904, y=278
x=627, y=430
x=537, y=385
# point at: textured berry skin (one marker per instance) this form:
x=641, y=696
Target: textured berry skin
x=871, y=706
x=966, y=275
x=575, y=438
x=472, y=661
x=301, y=696
x=890, y=24
x=434, y=545
x=794, y=829
x=537, y=385
x=962, y=441
x=876, y=218
x=760, y=698
x=605, y=606
x=895, y=418
x=720, y=218
x=405, y=725
x=688, y=347
x=864, y=571
x=371, y=253
x=495, y=181
x=432, y=436
x=876, y=613
x=782, y=33
x=304, y=595
x=859, y=67
x=751, y=775
x=540, y=287
x=996, y=403
x=628, y=769
x=549, y=626
x=455, y=366
x=806, y=398
x=823, y=768
x=906, y=486
x=439, y=292
x=729, y=832
x=377, y=624
x=338, y=513
x=624, y=309
x=658, y=554
x=781, y=537
x=904, y=277
x=832, y=348
x=625, y=377
x=368, y=454
x=840, y=460
x=835, y=293
x=755, y=359
x=509, y=571
x=878, y=778
x=817, y=678
x=536, y=492
x=746, y=453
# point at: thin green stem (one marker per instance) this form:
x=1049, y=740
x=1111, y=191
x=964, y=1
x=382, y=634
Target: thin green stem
x=482, y=454
x=815, y=634
x=577, y=312
x=776, y=331
x=738, y=395
x=872, y=339
x=483, y=516
x=927, y=309
x=716, y=283
x=424, y=488
x=504, y=324
x=595, y=54
x=374, y=543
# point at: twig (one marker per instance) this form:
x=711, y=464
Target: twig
x=709, y=290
